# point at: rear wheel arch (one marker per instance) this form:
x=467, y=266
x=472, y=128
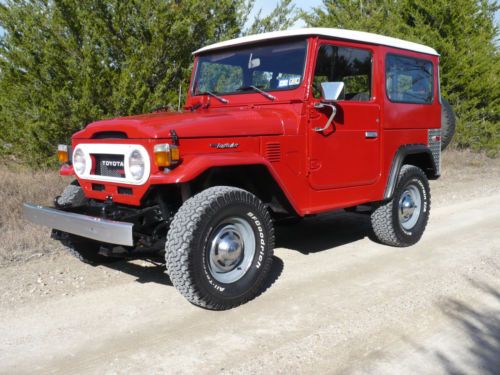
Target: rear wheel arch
x=418, y=155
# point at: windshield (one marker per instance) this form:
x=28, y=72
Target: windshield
x=270, y=68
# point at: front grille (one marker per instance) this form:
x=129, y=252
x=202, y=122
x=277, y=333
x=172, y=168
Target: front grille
x=109, y=165
x=434, y=141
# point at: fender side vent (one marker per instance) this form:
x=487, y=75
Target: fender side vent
x=273, y=152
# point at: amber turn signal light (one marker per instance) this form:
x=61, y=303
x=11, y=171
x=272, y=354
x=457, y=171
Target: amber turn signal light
x=166, y=155
x=63, y=154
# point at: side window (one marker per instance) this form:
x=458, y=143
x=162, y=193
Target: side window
x=353, y=66
x=409, y=80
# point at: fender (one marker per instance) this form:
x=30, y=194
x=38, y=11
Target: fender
x=397, y=163
x=195, y=165
x=66, y=170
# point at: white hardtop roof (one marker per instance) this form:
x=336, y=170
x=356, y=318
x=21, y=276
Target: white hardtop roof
x=359, y=36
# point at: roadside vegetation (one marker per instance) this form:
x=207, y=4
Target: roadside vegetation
x=66, y=63
x=19, y=240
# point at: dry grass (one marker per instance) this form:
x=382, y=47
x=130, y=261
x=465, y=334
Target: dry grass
x=20, y=240
x=465, y=175
x=476, y=162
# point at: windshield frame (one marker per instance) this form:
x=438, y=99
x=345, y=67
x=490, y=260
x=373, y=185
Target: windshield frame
x=249, y=46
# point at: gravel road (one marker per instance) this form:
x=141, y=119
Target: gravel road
x=336, y=302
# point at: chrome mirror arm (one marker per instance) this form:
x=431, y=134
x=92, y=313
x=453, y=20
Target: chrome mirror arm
x=330, y=119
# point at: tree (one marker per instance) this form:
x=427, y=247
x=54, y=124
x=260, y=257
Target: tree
x=465, y=35
x=380, y=16
x=66, y=63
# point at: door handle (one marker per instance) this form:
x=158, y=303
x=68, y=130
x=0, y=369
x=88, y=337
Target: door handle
x=330, y=119
x=371, y=135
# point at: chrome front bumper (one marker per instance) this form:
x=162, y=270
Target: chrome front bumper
x=114, y=232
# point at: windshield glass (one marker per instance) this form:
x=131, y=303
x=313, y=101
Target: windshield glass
x=270, y=68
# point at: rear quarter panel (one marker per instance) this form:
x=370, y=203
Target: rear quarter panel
x=408, y=115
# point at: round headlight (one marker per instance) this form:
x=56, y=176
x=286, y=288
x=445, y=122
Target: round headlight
x=136, y=165
x=79, y=162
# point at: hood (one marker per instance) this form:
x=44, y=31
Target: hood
x=227, y=122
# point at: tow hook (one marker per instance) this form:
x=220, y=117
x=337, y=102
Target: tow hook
x=107, y=204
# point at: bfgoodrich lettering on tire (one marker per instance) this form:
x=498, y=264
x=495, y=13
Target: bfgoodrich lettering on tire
x=402, y=220
x=219, y=247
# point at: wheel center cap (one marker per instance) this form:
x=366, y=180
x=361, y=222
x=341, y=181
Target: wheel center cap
x=227, y=250
x=407, y=206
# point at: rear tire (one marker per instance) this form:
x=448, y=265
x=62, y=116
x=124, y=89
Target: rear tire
x=219, y=248
x=448, y=123
x=401, y=221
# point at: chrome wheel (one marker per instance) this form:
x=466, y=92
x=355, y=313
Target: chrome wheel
x=232, y=249
x=409, y=207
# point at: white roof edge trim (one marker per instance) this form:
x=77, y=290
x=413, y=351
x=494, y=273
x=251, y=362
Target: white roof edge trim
x=358, y=36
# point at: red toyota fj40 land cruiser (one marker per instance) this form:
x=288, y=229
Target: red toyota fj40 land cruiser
x=277, y=125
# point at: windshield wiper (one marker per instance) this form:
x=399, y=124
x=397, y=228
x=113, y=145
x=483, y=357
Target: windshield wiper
x=255, y=88
x=219, y=98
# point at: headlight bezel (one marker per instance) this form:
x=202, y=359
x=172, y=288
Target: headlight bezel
x=79, y=161
x=125, y=150
x=135, y=162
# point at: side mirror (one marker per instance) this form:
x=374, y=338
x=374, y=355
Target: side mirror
x=331, y=91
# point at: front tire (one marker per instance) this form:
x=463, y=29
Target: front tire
x=219, y=247
x=402, y=220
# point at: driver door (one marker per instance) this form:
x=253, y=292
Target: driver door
x=346, y=154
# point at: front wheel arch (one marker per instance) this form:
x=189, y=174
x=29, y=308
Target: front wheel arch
x=256, y=179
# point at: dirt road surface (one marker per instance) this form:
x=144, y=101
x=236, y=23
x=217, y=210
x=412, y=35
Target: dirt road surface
x=336, y=302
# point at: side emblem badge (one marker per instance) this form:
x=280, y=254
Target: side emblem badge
x=224, y=145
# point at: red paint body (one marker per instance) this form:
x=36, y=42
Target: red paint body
x=317, y=172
